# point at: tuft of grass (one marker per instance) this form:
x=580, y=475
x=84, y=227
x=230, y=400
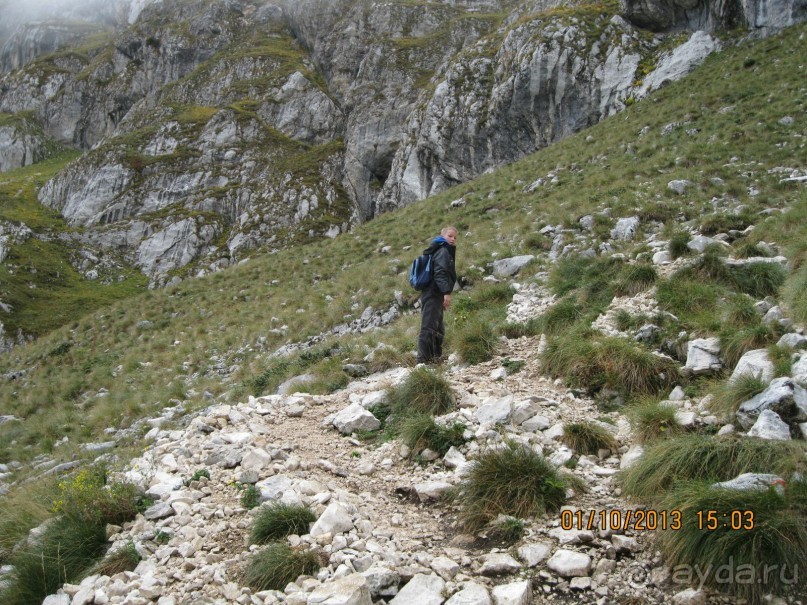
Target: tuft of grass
x=278, y=564
x=758, y=279
x=588, y=438
x=475, y=341
x=122, y=559
x=507, y=530
x=651, y=421
x=729, y=395
x=795, y=293
x=279, y=520
x=250, y=497
x=699, y=457
x=595, y=362
x=736, y=341
x=424, y=390
x=420, y=431
x=514, y=480
x=772, y=537
x=678, y=244
x=635, y=278
x=559, y=317
x=62, y=554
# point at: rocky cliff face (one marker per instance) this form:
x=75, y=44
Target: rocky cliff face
x=212, y=128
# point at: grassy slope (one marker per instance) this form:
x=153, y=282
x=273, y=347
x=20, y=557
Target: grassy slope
x=218, y=320
x=38, y=282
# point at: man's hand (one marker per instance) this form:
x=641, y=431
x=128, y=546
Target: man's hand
x=446, y=301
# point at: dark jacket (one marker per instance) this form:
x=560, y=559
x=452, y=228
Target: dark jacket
x=445, y=275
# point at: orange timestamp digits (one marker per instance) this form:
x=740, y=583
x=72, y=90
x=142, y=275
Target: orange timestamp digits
x=637, y=520
x=651, y=520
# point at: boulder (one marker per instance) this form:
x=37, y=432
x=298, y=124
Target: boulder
x=350, y=590
x=799, y=371
x=471, y=594
x=625, y=228
x=755, y=363
x=506, y=267
x=497, y=564
x=770, y=426
x=793, y=341
x=517, y=593
x=533, y=554
x=355, y=418
x=569, y=563
x=782, y=396
x=431, y=490
x=382, y=580
x=334, y=520
x=703, y=356
x=421, y=590
x=495, y=411
x=273, y=487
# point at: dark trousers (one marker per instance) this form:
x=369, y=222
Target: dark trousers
x=432, y=330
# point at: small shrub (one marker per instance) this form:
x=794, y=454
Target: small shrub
x=420, y=431
x=198, y=474
x=87, y=498
x=740, y=311
x=250, y=497
x=279, y=520
x=278, y=564
x=588, y=438
x=424, y=391
x=514, y=480
x=475, y=341
x=700, y=457
x=652, y=421
x=777, y=539
x=513, y=366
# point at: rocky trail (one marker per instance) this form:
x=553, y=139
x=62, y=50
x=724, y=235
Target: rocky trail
x=381, y=528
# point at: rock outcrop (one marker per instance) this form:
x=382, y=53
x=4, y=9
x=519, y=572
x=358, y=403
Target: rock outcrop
x=210, y=129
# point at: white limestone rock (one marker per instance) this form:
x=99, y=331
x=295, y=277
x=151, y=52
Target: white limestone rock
x=355, y=418
x=533, y=554
x=517, y=593
x=506, y=267
x=703, y=356
x=421, y=590
x=471, y=594
x=770, y=426
x=497, y=564
x=350, y=590
x=569, y=564
x=749, y=482
x=755, y=363
x=334, y=520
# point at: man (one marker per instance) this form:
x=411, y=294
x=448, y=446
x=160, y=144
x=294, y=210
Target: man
x=436, y=298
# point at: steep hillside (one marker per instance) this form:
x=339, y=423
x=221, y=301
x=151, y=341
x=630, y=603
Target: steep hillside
x=213, y=129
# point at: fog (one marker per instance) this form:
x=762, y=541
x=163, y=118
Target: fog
x=14, y=13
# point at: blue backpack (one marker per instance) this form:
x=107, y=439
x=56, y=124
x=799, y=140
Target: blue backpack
x=420, y=273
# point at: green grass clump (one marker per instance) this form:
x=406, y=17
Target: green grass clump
x=515, y=481
x=62, y=554
x=475, y=341
x=776, y=540
x=729, y=395
x=736, y=341
x=651, y=421
x=595, y=362
x=699, y=457
x=588, y=438
x=559, y=317
x=678, y=244
x=250, y=497
x=635, y=278
x=75, y=539
x=795, y=293
x=758, y=279
x=123, y=559
x=420, y=431
x=278, y=564
x=424, y=391
x=279, y=520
